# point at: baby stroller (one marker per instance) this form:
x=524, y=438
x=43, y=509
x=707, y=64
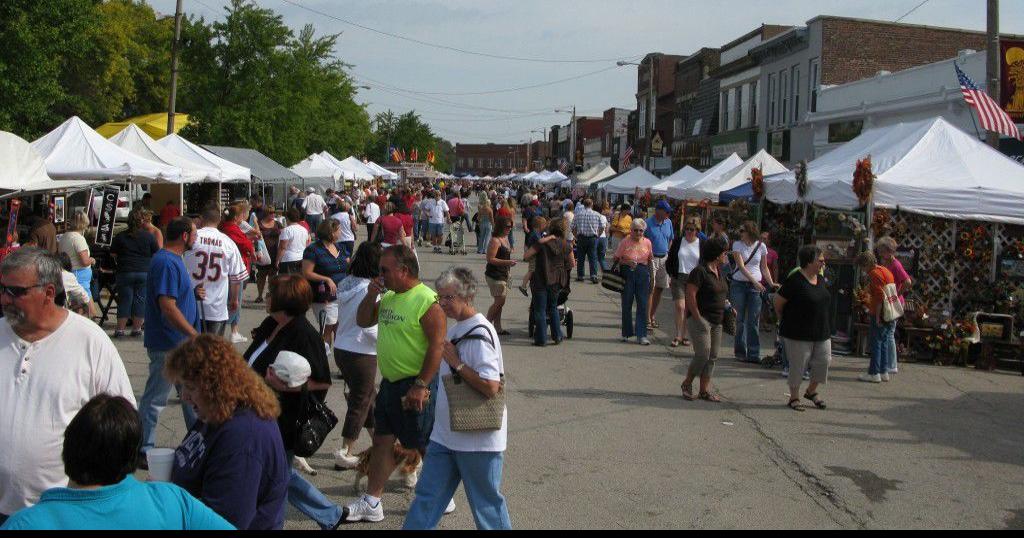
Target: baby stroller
x=456, y=238
x=564, y=313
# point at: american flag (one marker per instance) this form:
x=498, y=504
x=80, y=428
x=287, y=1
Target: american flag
x=563, y=166
x=628, y=156
x=993, y=117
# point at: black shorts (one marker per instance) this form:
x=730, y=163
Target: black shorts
x=411, y=428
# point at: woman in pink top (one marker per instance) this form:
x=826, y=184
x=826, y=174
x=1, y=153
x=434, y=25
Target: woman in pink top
x=634, y=256
x=887, y=258
x=389, y=229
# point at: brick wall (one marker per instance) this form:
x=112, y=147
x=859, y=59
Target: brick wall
x=486, y=158
x=854, y=50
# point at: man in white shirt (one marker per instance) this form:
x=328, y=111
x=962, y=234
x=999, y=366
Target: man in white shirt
x=370, y=215
x=347, y=220
x=216, y=264
x=438, y=217
x=315, y=207
x=51, y=363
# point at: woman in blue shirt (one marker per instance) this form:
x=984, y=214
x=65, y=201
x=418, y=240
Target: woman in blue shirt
x=100, y=454
x=325, y=264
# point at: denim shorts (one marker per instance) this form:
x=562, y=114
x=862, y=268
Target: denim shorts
x=411, y=428
x=436, y=229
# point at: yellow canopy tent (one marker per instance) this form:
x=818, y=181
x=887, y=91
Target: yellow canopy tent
x=155, y=125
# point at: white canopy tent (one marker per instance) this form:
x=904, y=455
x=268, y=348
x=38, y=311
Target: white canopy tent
x=711, y=187
x=555, y=178
x=381, y=171
x=927, y=167
x=683, y=176
x=135, y=140
x=628, y=182
x=229, y=172
x=594, y=175
x=22, y=169
x=75, y=151
x=319, y=171
x=685, y=190
x=354, y=168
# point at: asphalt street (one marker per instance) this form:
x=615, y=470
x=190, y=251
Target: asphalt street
x=600, y=437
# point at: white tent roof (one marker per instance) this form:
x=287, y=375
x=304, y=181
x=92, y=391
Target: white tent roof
x=683, y=176
x=228, y=171
x=22, y=168
x=928, y=167
x=135, y=140
x=317, y=166
x=685, y=191
x=381, y=171
x=352, y=166
x=628, y=182
x=594, y=174
x=710, y=187
x=75, y=151
x=555, y=178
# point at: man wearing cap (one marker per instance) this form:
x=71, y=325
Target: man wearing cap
x=661, y=234
x=315, y=207
x=587, y=227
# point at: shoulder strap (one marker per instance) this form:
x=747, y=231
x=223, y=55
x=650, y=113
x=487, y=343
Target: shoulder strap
x=471, y=336
x=757, y=247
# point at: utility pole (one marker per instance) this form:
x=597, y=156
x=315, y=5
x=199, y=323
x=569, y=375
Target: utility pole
x=174, y=68
x=993, y=62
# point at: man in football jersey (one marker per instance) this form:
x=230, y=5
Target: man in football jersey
x=215, y=264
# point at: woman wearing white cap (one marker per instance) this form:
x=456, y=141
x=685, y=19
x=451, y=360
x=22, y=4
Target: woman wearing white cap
x=286, y=329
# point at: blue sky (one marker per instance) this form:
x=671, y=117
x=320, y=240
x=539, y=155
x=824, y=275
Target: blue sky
x=567, y=30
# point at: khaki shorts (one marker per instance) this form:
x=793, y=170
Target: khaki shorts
x=659, y=273
x=499, y=288
x=678, y=286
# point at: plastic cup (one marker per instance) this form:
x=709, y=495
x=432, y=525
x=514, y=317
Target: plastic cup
x=160, y=460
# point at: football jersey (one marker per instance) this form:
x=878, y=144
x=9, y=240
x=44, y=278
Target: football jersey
x=215, y=262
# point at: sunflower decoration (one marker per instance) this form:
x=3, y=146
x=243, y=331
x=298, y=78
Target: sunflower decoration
x=863, y=180
x=757, y=182
x=801, y=179
x=882, y=223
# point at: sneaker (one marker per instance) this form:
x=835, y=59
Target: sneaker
x=645, y=342
x=885, y=378
x=135, y=334
x=785, y=372
x=450, y=508
x=343, y=460
x=625, y=339
x=362, y=511
x=237, y=338
x=595, y=280
x=868, y=378
x=807, y=376
x=119, y=334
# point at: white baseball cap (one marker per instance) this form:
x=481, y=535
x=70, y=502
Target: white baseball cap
x=291, y=368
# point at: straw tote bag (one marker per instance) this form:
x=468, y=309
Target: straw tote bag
x=468, y=410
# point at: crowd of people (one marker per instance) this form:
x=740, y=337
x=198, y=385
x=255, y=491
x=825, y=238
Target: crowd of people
x=76, y=436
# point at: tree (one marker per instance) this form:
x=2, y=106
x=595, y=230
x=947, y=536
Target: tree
x=249, y=81
x=407, y=132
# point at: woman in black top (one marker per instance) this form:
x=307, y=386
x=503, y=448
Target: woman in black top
x=803, y=306
x=132, y=250
x=499, y=264
x=287, y=329
x=706, y=290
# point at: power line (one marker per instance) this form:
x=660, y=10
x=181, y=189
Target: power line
x=454, y=49
x=919, y=6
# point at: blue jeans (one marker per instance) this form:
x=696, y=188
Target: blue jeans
x=602, y=253
x=637, y=288
x=154, y=399
x=545, y=313
x=131, y=295
x=420, y=232
x=747, y=302
x=314, y=221
x=309, y=500
x=881, y=345
x=890, y=356
x=234, y=317
x=586, y=247
x=443, y=469
x=483, y=236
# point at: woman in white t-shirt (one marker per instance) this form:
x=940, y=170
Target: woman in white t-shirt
x=473, y=458
x=347, y=218
x=292, y=243
x=750, y=260
x=73, y=244
x=683, y=257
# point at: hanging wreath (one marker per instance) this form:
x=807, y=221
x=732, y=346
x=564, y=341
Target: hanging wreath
x=801, y=179
x=757, y=182
x=863, y=180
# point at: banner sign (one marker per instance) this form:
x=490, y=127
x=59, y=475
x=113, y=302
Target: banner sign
x=1012, y=91
x=107, y=214
x=12, y=223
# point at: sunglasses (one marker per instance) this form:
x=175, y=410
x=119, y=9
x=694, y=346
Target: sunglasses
x=690, y=229
x=17, y=291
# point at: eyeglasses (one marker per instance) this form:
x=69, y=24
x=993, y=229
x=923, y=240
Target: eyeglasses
x=690, y=229
x=17, y=291
x=447, y=298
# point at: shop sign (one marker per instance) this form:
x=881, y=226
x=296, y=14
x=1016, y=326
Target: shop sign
x=720, y=152
x=108, y=211
x=777, y=144
x=657, y=144
x=1012, y=83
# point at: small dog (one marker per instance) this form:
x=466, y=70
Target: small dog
x=303, y=465
x=409, y=464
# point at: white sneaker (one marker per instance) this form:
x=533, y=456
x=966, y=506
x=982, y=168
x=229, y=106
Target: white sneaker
x=343, y=460
x=237, y=338
x=868, y=378
x=625, y=339
x=450, y=508
x=645, y=342
x=885, y=378
x=362, y=511
x=785, y=373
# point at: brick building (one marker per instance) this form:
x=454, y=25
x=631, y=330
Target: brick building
x=695, y=116
x=490, y=159
x=837, y=50
x=614, y=138
x=655, y=97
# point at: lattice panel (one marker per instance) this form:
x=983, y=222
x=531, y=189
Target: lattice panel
x=935, y=241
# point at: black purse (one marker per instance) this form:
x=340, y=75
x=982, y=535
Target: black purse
x=314, y=424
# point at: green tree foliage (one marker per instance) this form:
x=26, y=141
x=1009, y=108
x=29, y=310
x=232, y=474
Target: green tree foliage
x=407, y=132
x=249, y=81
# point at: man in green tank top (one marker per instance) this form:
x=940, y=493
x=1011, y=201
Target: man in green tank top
x=411, y=330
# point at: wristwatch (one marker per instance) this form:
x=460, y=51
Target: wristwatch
x=419, y=383
x=458, y=369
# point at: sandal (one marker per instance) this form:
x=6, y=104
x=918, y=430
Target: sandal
x=818, y=402
x=676, y=342
x=687, y=392
x=795, y=405
x=685, y=342
x=653, y=324
x=710, y=397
